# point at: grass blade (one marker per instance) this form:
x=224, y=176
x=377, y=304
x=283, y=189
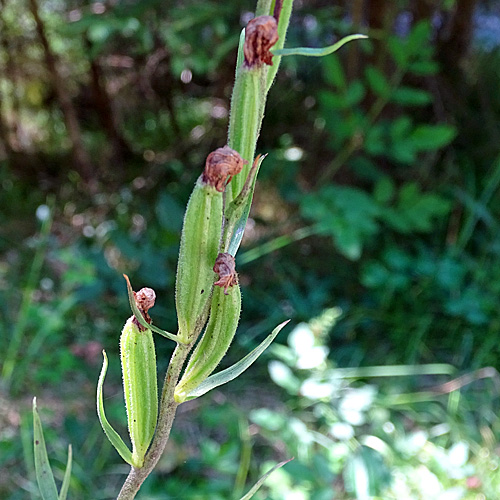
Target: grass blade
x=19, y=326
x=237, y=369
x=260, y=482
x=67, y=475
x=44, y=476
x=111, y=434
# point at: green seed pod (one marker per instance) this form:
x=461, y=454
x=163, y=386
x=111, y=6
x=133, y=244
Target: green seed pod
x=219, y=332
x=250, y=92
x=139, y=383
x=200, y=241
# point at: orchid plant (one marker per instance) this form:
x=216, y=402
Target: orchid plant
x=208, y=299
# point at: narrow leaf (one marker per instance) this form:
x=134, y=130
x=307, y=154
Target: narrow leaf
x=240, y=56
x=67, y=475
x=140, y=318
x=260, y=482
x=306, y=51
x=283, y=23
x=235, y=370
x=44, y=476
x=111, y=434
x=238, y=211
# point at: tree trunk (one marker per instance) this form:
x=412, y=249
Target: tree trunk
x=105, y=112
x=8, y=130
x=80, y=156
x=456, y=36
x=353, y=62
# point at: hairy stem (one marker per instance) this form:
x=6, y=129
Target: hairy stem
x=168, y=407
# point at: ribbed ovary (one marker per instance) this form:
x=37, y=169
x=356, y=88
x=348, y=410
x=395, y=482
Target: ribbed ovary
x=140, y=387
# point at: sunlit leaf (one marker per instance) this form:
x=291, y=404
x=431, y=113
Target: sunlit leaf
x=409, y=96
x=260, y=482
x=432, y=137
x=237, y=369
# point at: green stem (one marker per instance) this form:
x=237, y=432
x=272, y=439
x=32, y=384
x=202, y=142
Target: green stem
x=276, y=243
x=284, y=21
x=168, y=407
x=27, y=299
x=263, y=8
x=247, y=111
x=246, y=455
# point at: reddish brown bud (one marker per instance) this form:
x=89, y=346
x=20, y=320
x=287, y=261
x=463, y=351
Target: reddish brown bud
x=260, y=35
x=145, y=300
x=220, y=167
x=225, y=268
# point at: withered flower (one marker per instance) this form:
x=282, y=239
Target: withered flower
x=226, y=269
x=261, y=34
x=221, y=165
x=145, y=300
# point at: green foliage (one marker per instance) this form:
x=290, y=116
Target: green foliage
x=353, y=218
x=368, y=436
x=400, y=178
x=44, y=475
x=400, y=139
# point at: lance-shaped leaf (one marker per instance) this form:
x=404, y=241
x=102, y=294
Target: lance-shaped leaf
x=235, y=370
x=236, y=214
x=67, y=475
x=306, y=51
x=260, y=482
x=111, y=434
x=44, y=475
x=284, y=20
x=140, y=318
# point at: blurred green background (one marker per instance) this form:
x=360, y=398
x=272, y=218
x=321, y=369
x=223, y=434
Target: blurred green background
x=375, y=228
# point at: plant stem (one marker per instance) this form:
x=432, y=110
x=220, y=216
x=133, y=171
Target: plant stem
x=247, y=111
x=168, y=407
x=263, y=8
x=278, y=242
x=16, y=338
x=246, y=455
